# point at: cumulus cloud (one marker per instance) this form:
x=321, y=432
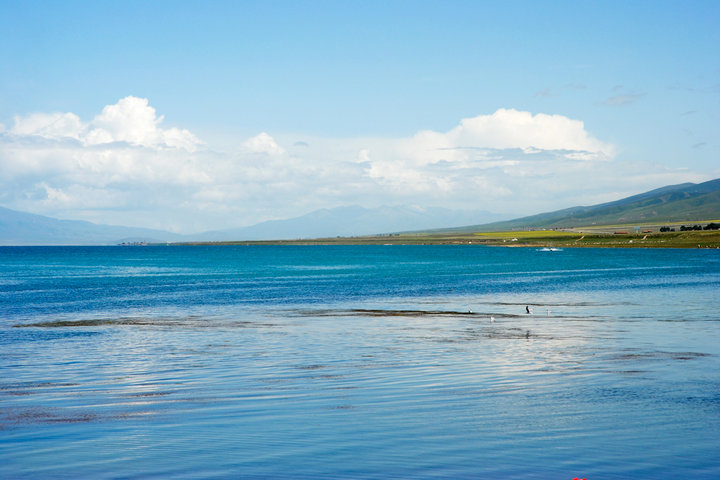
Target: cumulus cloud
x=509, y=128
x=263, y=143
x=486, y=151
x=124, y=167
x=58, y=164
x=131, y=120
x=506, y=129
x=49, y=125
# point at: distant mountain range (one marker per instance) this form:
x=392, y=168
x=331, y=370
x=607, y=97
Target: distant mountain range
x=675, y=203
x=19, y=228
x=352, y=221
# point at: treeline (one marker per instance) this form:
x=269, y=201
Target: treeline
x=683, y=228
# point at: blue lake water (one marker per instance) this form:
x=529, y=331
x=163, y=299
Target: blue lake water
x=359, y=362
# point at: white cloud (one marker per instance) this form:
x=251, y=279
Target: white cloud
x=123, y=167
x=509, y=128
x=487, y=150
x=49, y=125
x=131, y=120
x=263, y=143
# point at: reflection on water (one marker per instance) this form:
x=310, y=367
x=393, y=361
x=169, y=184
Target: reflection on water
x=596, y=383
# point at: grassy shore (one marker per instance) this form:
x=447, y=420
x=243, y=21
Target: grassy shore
x=580, y=237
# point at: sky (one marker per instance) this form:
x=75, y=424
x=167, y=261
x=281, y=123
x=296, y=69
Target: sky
x=192, y=116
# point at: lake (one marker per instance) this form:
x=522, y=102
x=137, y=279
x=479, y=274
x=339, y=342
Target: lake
x=359, y=362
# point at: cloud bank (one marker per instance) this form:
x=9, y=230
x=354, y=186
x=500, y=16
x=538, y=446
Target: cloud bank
x=125, y=167
x=131, y=120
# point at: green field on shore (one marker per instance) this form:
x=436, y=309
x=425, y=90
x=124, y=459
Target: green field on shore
x=615, y=236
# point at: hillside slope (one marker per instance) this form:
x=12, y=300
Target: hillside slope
x=674, y=203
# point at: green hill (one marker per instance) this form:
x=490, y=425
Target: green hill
x=675, y=203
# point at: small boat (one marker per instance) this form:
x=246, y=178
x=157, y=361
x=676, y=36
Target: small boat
x=549, y=249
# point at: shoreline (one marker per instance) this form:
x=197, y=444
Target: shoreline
x=537, y=239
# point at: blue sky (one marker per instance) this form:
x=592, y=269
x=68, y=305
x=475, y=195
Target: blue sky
x=272, y=109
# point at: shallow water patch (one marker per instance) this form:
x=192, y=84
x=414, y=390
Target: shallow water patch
x=188, y=322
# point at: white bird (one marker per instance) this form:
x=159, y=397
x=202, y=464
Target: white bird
x=492, y=319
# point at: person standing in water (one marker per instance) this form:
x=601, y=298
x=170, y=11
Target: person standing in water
x=527, y=309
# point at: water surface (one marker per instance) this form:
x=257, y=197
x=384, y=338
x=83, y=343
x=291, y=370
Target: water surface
x=359, y=362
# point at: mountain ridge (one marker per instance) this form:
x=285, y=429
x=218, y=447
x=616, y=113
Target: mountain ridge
x=21, y=228
x=348, y=221
x=673, y=203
